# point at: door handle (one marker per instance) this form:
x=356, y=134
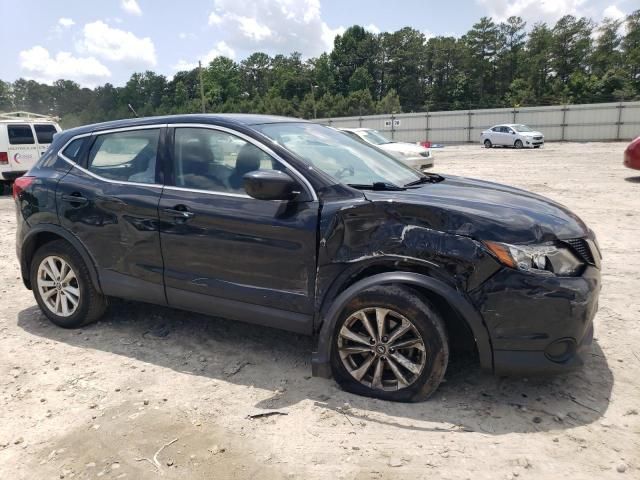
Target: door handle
x=181, y=213
x=75, y=198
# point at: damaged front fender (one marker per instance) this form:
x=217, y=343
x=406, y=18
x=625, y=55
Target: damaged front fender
x=366, y=243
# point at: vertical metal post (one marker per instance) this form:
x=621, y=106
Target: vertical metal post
x=360, y=122
x=564, y=121
x=426, y=128
x=514, y=114
x=201, y=86
x=393, y=127
x=469, y=127
x=619, y=122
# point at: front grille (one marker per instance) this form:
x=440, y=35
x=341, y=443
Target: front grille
x=581, y=247
x=537, y=138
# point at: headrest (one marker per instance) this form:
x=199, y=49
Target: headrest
x=248, y=159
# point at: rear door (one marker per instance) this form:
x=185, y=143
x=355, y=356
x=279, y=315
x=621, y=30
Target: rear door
x=109, y=200
x=226, y=253
x=44, y=135
x=22, y=149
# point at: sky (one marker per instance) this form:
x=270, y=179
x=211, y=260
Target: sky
x=97, y=41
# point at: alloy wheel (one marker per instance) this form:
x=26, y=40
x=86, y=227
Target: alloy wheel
x=381, y=349
x=58, y=286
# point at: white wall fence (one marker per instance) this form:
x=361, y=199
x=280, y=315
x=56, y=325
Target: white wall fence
x=590, y=122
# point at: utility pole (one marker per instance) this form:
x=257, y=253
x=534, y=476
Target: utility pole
x=201, y=86
x=313, y=99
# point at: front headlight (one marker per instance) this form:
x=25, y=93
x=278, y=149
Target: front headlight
x=545, y=258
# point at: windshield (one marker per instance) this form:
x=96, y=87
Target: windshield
x=344, y=158
x=373, y=136
x=522, y=128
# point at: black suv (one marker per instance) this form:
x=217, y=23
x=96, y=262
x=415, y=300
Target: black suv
x=290, y=224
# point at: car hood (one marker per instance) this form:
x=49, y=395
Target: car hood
x=485, y=211
x=403, y=147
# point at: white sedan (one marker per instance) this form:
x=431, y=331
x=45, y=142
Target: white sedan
x=512, y=135
x=415, y=156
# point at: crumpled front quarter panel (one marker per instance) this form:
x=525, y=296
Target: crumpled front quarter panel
x=355, y=235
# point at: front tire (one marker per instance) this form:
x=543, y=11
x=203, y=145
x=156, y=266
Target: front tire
x=487, y=143
x=518, y=144
x=62, y=286
x=390, y=344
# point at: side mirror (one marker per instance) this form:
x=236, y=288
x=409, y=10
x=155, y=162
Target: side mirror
x=270, y=185
x=512, y=132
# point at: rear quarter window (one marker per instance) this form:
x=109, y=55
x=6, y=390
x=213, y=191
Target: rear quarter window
x=20, y=135
x=45, y=133
x=72, y=151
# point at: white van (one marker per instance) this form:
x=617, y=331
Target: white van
x=23, y=138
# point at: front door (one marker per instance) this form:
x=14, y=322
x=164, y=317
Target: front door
x=226, y=253
x=110, y=202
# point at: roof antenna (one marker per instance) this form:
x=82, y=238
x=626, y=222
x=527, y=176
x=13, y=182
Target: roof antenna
x=132, y=110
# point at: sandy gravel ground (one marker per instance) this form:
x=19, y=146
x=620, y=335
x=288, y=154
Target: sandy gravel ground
x=102, y=402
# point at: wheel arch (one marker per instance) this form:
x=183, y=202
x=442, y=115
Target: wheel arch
x=43, y=234
x=425, y=286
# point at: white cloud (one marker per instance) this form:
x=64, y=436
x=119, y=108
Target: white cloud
x=117, y=45
x=612, y=11
x=533, y=10
x=40, y=65
x=328, y=36
x=66, y=22
x=373, y=28
x=131, y=6
x=251, y=28
x=214, y=19
x=221, y=49
x=274, y=26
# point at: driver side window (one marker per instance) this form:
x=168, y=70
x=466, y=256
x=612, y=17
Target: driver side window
x=216, y=161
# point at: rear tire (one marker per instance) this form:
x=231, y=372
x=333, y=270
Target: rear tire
x=518, y=144
x=379, y=361
x=487, y=143
x=63, y=288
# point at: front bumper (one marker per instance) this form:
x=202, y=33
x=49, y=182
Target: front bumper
x=538, y=324
x=531, y=142
x=417, y=163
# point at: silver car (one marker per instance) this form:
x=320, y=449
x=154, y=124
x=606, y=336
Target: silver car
x=512, y=135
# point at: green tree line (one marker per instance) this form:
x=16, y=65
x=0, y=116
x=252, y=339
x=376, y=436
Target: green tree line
x=492, y=65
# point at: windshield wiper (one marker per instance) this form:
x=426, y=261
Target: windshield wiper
x=426, y=178
x=375, y=186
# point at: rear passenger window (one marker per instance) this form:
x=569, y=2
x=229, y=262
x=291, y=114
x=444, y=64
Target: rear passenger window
x=72, y=152
x=20, y=135
x=45, y=133
x=126, y=156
